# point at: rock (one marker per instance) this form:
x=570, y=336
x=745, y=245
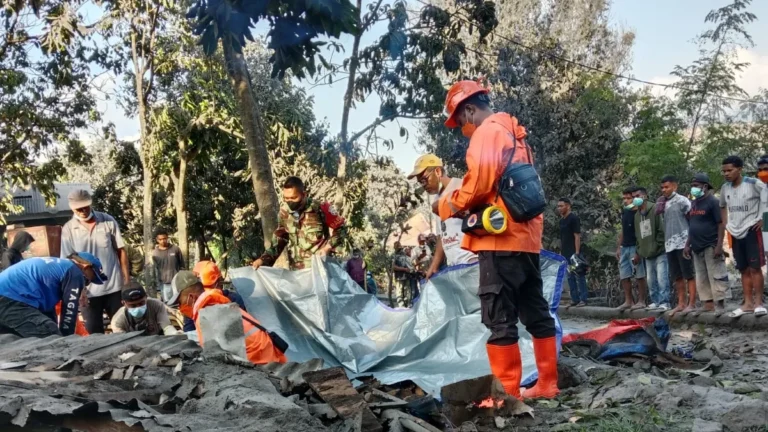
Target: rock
x=642, y=366
x=708, y=331
x=746, y=417
x=746, y=388
x=500, y=422
x=569, y=376
x=703, y=381
x=700, y=425
x=703, y=356
x=715, y=365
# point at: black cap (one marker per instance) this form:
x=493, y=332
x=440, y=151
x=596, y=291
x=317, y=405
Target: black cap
x=701, y=178
x=134, y=292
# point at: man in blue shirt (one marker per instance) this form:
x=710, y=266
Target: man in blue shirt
x=31, y=289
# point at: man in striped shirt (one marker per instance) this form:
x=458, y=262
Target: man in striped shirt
x=743, y=200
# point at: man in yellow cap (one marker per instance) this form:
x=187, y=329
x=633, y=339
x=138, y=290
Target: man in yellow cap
x=510, y=275
x=430, y=173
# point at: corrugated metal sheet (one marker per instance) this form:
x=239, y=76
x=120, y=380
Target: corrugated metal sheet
x=33, y=201
x=101, y=347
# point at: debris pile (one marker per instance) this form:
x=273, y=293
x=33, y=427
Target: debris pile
x=365, y=404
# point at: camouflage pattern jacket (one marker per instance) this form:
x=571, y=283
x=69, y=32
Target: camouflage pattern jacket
x=304, y=234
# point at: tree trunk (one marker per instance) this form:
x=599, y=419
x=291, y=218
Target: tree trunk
x=200, y=248
x=341, y=173
x=180, y=203
x=146, y=164
x=255, y=141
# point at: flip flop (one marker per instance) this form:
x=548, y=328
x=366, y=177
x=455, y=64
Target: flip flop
x=760, y=311
x=738, y=312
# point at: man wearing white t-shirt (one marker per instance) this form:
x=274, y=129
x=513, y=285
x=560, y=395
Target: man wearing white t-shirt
x=430, y=173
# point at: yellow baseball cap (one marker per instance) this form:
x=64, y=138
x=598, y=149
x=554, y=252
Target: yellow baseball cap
x=424, y=162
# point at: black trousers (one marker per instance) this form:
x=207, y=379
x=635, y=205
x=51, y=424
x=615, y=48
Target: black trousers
x=511, y=288
x=93, y=314
x=24, y=320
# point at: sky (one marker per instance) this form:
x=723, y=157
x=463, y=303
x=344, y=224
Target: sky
x=664, y=34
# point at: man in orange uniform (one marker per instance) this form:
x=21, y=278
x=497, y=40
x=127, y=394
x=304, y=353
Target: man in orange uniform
x=188, y=292
x=510, y=276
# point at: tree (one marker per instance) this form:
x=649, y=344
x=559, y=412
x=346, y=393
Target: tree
x=293, y=30
x=136, y=25
x=707, y=82
x=403, y=68
x=45, y=93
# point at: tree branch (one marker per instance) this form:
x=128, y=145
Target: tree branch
x=381, y=120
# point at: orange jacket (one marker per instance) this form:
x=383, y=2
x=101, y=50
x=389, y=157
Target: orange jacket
x=487, y=156
x=258, y=345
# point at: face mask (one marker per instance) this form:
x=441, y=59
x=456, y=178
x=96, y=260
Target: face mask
x=85, y=219
x=629, y=206
x=187, y=309
x=637, y=202
x=697, y=192
x=137, y=312
x=763, y=176
x=469, y=128
x=295, y=205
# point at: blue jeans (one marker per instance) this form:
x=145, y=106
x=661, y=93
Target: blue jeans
x=658, y=279
x=578, y=285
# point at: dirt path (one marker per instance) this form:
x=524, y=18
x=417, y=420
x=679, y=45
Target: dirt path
x=729, y=394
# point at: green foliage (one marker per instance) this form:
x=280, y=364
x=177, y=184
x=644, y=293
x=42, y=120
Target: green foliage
x=294, y=28
x=44, y=94
x=655, y=146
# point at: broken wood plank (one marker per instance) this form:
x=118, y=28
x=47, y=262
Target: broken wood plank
x=333, y=386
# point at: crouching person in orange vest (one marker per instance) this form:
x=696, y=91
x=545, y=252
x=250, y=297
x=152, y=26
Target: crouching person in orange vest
x=190, y=296
x=510, y=276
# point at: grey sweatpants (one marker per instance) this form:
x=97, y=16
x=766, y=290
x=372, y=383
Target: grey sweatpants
x=711, y=275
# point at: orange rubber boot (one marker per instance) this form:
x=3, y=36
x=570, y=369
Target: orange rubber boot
x=545, y=351
x=507, y=366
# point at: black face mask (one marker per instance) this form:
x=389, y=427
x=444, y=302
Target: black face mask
x=295, y=205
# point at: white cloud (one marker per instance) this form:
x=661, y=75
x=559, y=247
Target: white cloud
x=751, y=79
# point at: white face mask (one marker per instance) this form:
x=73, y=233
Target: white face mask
x=85, y=219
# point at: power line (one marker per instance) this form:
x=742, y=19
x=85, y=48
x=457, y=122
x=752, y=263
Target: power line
x=594, y=69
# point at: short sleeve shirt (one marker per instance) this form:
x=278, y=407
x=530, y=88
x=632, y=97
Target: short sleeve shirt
x=628, y=237
x=103, y=241
x=745, y=205
x=451, y=234
x=704, y=221
x=153, y=322
x=569, y=226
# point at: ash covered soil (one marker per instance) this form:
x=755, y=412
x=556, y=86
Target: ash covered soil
x=724, y=387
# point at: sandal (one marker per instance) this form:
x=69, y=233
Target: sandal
x=738, y=312
x=760, y=311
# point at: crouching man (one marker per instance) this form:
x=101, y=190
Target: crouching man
x=31, y=289
x=191, y=297
x=140, y=313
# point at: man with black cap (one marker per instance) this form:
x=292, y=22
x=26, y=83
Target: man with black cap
x=97, y=233
x=140, y=313
x=705, y=242
x=31, y=289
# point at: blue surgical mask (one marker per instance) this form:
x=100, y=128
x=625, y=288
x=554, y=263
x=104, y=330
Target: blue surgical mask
x=629, y=206
x=138, y=312
x=637, y=201
x=697, y=192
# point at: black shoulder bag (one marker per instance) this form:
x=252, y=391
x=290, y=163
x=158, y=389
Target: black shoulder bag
x=520, y=187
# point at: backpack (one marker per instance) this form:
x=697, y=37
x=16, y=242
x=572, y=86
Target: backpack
x=520, y=188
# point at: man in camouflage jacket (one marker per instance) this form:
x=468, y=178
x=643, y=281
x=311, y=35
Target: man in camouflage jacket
x=304, y=228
